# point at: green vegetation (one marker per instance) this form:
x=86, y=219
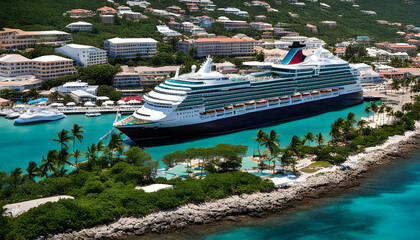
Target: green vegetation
x=313, y=167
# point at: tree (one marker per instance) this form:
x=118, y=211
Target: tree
x=15, y=177
x=76, y=132
x=63, y=158
x=319, y=139
x=63, y=138
x=136, y=156
x=49, y=164
x=335, y=131
x=91, y=154
x=54, y=96
x=260, y=56
x=98, y=74
x=99, y=147
x=32, y=171
x=294, y=145
x=192, y=52
x=115, y=143
x=360, y=124
x=110, y=92
x=309, y=137
x=261, y=135
x=76, y=154
x=272, y=144
x=286, y=158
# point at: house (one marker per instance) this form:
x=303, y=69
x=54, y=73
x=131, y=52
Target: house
x=205, y=21
x=311, y=28
x=300, y=4
x=261, y=26
x=382, y=22
x=260, y=3
x=368, y=12
x=107, y=19
x=12, y=39
x=84, y=55
x=192, y=7
x=136, y=77
x=106, y=11
x=130, y=47
x=80, y=26
x=44, y=67
x=133, y=16
x=232, y=24
x=329, y=23
x=260, y=17
x=219, y=46
x=236, y=11
x=175, y=8
x=167, y=32
x=324, y=5
x=80, y=13
x=123, y=10
x=225, y=67
x=78, y=85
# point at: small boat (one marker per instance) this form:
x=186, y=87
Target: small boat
x=296, y=95
x=306, y=94
x=6, y=111
x=92, y=114
x=238, y=105
x=210, y=111
x=273, y=100
x=262, y=102
x=13, y=115
x=284, y=98
x=229, y=108
x=335, y=90
x=220, y=110
x=314, y=93
x=250, y=103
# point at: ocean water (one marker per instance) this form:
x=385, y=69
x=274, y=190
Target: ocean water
x=386, y=206
x=20, y=144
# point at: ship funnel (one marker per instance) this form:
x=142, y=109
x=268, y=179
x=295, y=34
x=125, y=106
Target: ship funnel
x=193, y=68
x=295, y=54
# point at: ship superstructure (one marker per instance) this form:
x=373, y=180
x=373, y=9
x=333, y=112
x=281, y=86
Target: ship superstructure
x=208, y=102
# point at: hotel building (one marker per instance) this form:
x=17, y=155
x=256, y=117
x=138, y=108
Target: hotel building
x=11, y=39
x=222, y=46
x=130, y=47
x=83, y=55
x=136, y=77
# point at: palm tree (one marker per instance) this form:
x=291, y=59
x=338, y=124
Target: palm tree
x=54, y=96
x=286, y=158
x=361, y=124
x=309, y=137
x=351, y=118
x=63, y=158
x=63, y=138
x=374, y=108
x=295, y=145
x=76, y=154
x=32, y=171
x=16, y=177
x=49, y=164
x=76, y=132
x=272, y=143
x=90, y=154
x=381, y=111
x=99, y=148
x=115, y=143
x=261, y=135
x=319, y=139
x=390, y=112
x=368, y=109
x=335, y=131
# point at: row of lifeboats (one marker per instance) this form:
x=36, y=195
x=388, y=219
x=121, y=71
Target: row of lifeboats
x=263, y=101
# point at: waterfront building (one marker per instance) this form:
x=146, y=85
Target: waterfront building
x=232, y=24
x=367, y=75
x=80, y=26
x=83, y=55
x=225, y=67
x=167, y=32
x=130, y=47
x=82, y=96
x=12, y=39
x=20, y=83
x=44, y=67
x=80, y=13
x=136, y=77
x=219, y=46
x=68, y=87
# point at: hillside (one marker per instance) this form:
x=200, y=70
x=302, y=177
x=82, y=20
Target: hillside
x=47, y=14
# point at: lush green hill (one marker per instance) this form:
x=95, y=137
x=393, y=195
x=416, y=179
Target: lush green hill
x=47, y=14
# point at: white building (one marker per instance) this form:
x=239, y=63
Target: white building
x=368, y=12
x=69, y=87
x=167, y=32
x=80, y=26
x=82, y=96
x=225, y=67
x=83, y=55
x=130, y=47
x=367, y=75
x=236, y=11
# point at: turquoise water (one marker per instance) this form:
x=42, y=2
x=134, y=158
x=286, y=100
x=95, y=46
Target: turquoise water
x=386, y=206
x=21, y=144
x=261, y=174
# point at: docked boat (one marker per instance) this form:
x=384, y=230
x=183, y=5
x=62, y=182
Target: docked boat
x=92, y=114
x=12, y=115
x=299, y=86
x=31, y=116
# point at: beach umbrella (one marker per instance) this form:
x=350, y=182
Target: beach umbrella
x=133, y=102
x=56, y=105
x=102, y=98
x=108, y=103
x=89, y=104
x=71, y=104
x=121, y=102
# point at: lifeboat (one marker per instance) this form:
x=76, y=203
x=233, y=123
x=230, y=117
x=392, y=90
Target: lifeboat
x=250, y=103
x=262, y=102
x=335, y=90
x=228, y=108
x=203, y=113
x=220, y=110
x=296, y=95
x=306, y=94
x=273, y=100
x=210, y=112
x=324, y=91
x=314, y=93
x=238, y=105
x=284, y=98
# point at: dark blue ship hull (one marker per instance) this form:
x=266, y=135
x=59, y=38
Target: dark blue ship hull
x=159, y=136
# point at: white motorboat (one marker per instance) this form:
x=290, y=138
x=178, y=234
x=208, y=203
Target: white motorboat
x=92, y=114
x=5, y=112
x=12, y=115
x=39, y=116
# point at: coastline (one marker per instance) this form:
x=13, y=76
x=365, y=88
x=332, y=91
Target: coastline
x=233, y=208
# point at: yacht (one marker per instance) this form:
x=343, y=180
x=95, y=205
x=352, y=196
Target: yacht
x=39, y=116
x=207, y=102
x=12, y=115
x=92, y=114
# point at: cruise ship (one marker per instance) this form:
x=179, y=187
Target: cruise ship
x=205, y=102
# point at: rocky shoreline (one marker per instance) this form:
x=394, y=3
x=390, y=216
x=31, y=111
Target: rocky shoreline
x=323, y=184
